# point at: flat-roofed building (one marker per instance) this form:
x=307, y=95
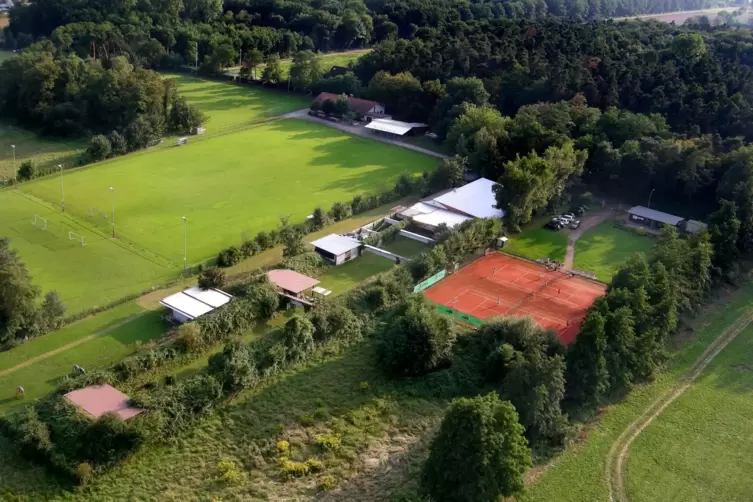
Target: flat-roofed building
x=194, y=302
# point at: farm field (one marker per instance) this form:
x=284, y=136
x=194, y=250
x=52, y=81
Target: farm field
x=696, y=450
x=579, y=473
x=537, y=242
x=604, y=248
x=232, y=186
x=232, y=107
x=84, y=276
x=45, y=152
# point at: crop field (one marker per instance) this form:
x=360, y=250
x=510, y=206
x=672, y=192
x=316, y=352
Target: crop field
x=605, y=248
x=694, y=451
x=231, y=186
x=85, y=276
x=44, y=152
x=231, y=107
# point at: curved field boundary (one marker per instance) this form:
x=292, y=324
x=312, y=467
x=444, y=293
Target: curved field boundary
x=619, y=450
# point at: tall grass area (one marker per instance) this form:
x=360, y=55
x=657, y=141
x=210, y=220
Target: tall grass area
x=604, y=248
x=85, y=276
x=579, y=473
x=233, y=186
x=45, y=152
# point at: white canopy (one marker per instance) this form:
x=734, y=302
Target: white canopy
x=336, y=244
x=393, y=126
x=195, y=302
x=474, y=199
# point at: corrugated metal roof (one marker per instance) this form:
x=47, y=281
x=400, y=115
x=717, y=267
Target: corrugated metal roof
x=653, y=214
x=475, y=199
x=393, y=126
x=195, y=302
x=336, y=244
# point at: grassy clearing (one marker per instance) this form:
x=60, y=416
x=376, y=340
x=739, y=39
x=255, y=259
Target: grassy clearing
x=232, y=186
x=231, y=107
x=578, y=473
x=604, y=248
x=326, y=61
x=344, y=277
x=45, y=152
x=405, y=247
x=697, y=450
x=85, y=276
x=102, y=350
x=537, y=242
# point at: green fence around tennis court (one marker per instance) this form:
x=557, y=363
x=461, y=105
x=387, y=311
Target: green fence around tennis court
x=468, y=319
x=427, y=283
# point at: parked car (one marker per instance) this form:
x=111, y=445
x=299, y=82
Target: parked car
x=566, y=217
x=578, y=210
x=554, y=225
x=575, y=224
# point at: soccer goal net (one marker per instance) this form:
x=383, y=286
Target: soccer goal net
x=72, y=236
x=39, y=222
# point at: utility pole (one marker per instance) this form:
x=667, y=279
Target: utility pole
x=112, y=193
x=62, y=189
x=649, y=197
x=15, y=172
x=185, y=248
x=196, y=62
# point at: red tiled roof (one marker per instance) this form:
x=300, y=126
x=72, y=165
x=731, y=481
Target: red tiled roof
x=360, y=105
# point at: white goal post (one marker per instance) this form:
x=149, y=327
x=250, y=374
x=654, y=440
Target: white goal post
x=39, y=222
x=72, y=236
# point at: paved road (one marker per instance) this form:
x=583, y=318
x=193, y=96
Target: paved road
x=359, y=131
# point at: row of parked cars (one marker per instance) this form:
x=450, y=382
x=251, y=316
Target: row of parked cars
x=567, y=219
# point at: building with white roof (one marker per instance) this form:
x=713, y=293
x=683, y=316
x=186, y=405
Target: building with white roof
x=396, y=127
x=652, y=217
x=453, y=207
x=337, y=249
x=194, y=302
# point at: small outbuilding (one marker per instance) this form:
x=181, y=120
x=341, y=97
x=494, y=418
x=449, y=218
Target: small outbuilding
x=652, y=218
x=396, y=128
x=194, y=302
x=337, y=249
x=98, y=400
x=294, y=286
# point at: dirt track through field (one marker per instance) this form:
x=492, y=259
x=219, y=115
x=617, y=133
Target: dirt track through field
x=69, y=346
x=616, y=458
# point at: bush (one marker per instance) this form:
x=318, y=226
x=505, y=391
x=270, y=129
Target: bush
x=212, y=278
x=298, y=334
x=27, y=171
x=189, y=337
x=417, y=339
x=310, y=264
x=118, y=144
x=229, y=257
x=249, y=248
x=319, y=219
x=283, y=446
x=314, y=465
x=99, y=148
x=291, y=469
x=265, y=240
x=234, y=367
x=326, y=483
x=341, y=211
x=228, y=472
x=263, y=297
x=328, y=443
x=84, y=472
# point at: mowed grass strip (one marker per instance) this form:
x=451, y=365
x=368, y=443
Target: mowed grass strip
x=537, y=242
x=84, y=276
x=233, y=186
x=699, y=448
x=578, y=473
x=345, y=277
x=230, y=107
x=45, y=152
x=605, y=247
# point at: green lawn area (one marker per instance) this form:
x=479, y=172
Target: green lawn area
x=85, y=276
x=41, y=377
x=232, y=186
x=344, y=277
x=578, y=473
x=326, y=61
x=604, y=248
x=232, y=107
x=538, y=242
x=698, y=449
x=405, y=247
x=45, y=152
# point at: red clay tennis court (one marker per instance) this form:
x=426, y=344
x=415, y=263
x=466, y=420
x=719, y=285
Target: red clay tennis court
x=500, y=285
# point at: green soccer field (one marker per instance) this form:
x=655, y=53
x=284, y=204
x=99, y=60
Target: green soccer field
x=85, y=276
x=231, y=186
x=231, y=107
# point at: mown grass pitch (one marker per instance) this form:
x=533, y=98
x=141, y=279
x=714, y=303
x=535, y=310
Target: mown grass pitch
x=85, y=276
x=604, y=249
x=232, y=186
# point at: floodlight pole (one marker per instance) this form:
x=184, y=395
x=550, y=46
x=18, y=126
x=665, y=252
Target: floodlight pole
x=649, y=197
x=112, y=192
x=15, y=172
x=185, y=248
x=62, y=189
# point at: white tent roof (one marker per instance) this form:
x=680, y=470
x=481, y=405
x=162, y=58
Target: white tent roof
x=653, y=214
x=195, y=302
x=433, y=216
x=336, y=244
x=393, y=126
x=474, y=199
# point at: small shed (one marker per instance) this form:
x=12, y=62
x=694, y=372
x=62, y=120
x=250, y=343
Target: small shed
x=293, y=286
x=194, y=302
x=653, y=218
x=363, y=106
x=337, y=249
x=97, y=400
